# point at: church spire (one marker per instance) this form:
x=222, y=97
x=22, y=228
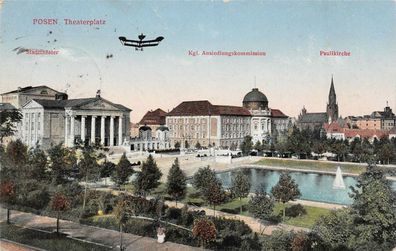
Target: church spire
x=332, y=94
x=332, y=106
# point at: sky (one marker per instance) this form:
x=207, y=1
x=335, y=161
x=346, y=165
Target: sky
x=291, y=75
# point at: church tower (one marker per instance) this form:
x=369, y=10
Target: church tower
x=332, y=106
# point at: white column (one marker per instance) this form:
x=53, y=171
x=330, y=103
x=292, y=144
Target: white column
x=72, y=131
x=66, y=130
x=30, y=130
x=120, y=131
x=35, y=129
x=83, y=129
x=93, y=129
x=111, y=130
x=102, y=130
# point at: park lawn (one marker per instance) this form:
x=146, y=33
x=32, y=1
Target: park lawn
x=313, y=165
x=234, y=205
x=308, y=220
x=193, y=197
x=47, y=241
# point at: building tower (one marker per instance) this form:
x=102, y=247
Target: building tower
x=332, y=106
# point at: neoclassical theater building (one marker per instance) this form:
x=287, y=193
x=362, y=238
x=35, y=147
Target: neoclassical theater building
x=71, y=121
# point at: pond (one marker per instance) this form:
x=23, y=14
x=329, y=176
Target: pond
x=314, y=187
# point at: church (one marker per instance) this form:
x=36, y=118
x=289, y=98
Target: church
x=315, y=121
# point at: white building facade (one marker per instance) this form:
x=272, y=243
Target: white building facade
x=90, y=120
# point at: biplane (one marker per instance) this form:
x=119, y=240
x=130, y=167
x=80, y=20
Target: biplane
x=139, y=44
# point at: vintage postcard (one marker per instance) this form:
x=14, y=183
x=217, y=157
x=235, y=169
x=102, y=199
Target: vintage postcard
x=188, y=125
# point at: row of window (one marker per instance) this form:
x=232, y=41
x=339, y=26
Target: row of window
x=186, y=120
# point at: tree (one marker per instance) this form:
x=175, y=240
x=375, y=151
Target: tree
x=240, y=187
x=61, y=164
x=285, y=190
x=202, y=177
x=106, y=169
x=186, y=144
x=373, y=210
x=37, y=164
x=205, y=230
x=247, y=145
x=122, y=172
x=258, y=146
x=7, y=195
x=335, y=229
x=215, y=194
x=261, y=205
x=59, y=203
x=386, y=153
x=8, y=122
x=121, y=213
x=177, y=145
x=16, y=158
x=88, y=168
x=149, y=177
x=198, y=145
x=176, y=183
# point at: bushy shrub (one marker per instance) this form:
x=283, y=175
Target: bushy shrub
x=141, y=227
x=186, y=217
x=279, y=240
x=181, y=236
x=73, y=191
x=295, y=210
x=173, y=213
x=251, y=243
x=37, y=199
x=225, y=226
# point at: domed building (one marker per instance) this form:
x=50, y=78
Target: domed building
x=266, y=124
x=255, y=100
x=226, y=126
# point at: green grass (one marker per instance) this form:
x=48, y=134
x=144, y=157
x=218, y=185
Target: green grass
x=307, y=220
x=47, y=241
x=234, y=204
x=313, y=165
x=193, y=197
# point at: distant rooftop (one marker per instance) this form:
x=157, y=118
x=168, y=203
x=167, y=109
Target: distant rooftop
x=28, y=89
x=6, y=106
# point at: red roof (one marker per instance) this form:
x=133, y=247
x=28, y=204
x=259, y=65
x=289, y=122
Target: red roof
x=156, y=117
x=277, y=113
x=365, y=133
x=205, y=108
x=333, y=127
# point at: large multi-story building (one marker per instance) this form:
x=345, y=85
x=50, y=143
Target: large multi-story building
x=69, y=121
x=224, y=126
x=377, y=120
x=193, y=122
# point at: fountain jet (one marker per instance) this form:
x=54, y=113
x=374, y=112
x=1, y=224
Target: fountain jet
x=338, y=181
